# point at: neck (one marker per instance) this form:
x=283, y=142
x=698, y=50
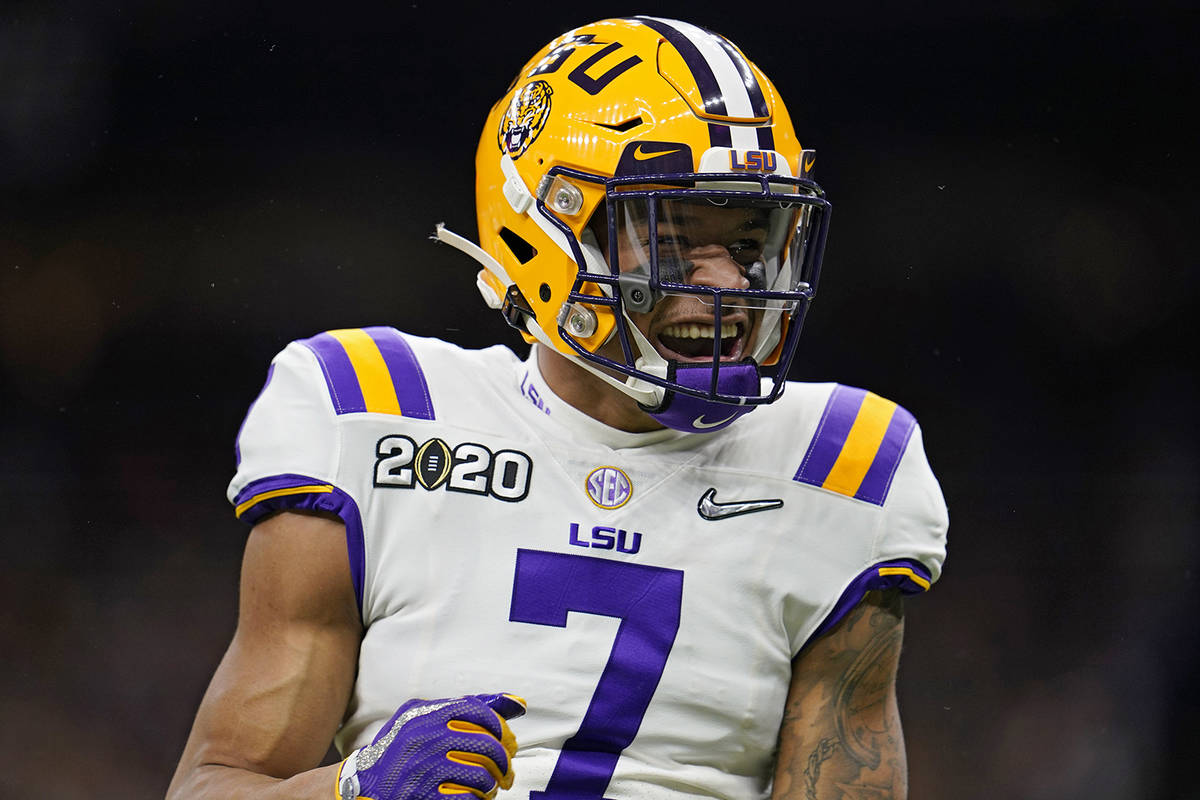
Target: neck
x=592, y=395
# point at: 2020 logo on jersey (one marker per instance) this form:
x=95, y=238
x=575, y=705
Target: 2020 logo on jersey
x=468, y=467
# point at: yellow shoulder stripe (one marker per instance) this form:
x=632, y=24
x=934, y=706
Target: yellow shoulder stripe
x=374, y=378
x=862, y=443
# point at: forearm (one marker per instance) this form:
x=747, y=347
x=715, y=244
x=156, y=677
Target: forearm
x=230, y=783
x=255, y=726
x=240, y=743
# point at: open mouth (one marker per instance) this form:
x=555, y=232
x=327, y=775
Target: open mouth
x=692, y=341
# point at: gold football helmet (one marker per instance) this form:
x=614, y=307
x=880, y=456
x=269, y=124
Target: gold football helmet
x=610, y=144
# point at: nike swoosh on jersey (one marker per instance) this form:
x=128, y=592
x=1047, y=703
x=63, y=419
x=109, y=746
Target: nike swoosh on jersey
x=641, y=155
x=709, y=508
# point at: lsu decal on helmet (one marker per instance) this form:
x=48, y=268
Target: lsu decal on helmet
x=621, y=151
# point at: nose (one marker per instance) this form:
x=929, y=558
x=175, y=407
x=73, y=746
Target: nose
x=714, y=267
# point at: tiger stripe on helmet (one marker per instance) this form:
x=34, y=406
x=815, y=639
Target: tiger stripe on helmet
x=758, y=102
x=725, y=80
x=719, y=135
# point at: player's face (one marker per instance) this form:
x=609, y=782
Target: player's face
x=702, y=244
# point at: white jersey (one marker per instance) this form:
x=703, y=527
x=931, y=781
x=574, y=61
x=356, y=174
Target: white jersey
x=645, y=593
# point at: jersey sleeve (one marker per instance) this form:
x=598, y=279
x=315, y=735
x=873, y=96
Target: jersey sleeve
x=916, y=520
x=289, y=449
x=872, y=450
x=288, y=446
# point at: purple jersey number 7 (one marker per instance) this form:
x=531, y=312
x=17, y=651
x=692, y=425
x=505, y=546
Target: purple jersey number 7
x=646, y=599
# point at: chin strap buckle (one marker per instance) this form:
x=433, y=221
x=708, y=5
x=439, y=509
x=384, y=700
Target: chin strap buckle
x=516, y=309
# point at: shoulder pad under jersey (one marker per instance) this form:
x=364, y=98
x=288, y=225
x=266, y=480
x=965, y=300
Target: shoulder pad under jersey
x=288, y=446
x=870, y=449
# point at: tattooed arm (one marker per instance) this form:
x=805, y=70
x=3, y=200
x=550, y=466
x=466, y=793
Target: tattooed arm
x=841, y=738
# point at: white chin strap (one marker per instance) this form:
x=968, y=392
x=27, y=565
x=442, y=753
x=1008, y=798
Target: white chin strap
x=446, y=236
x=649, y=361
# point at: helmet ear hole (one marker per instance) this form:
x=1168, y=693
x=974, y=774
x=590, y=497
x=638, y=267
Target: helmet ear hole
x=521, y=249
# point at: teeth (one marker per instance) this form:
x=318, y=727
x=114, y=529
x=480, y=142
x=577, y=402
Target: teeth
x=695, y=331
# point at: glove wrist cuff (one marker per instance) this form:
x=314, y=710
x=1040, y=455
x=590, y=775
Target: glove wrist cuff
x=348, y=786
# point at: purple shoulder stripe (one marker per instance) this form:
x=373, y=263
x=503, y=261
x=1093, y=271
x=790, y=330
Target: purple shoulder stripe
x=906, y=574
x=836, y=421
x=339, y=373
x=858, y=445
x=266, y=496
x=346, y=372
x=408, y=378
x=878, y=480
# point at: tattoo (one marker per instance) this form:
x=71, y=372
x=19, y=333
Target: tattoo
x=856, y=749
x=863, y=724
x=813, y=770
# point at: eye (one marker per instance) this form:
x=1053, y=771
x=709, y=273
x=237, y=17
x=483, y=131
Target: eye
x=669, y=241
x=745, y=251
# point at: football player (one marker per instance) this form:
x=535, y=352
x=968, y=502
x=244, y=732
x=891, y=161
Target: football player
x=691, y=576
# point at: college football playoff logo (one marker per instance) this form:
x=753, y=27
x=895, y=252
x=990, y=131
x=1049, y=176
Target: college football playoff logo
x=525, y=118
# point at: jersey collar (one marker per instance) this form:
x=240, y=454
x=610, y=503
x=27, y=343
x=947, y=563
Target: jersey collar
x=540, y=400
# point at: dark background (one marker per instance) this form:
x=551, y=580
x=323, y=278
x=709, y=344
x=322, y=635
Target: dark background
x=185, y=187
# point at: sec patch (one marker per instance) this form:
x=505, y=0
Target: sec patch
x=608, y=487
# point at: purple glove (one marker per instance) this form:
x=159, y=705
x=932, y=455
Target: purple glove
x=429, y=748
